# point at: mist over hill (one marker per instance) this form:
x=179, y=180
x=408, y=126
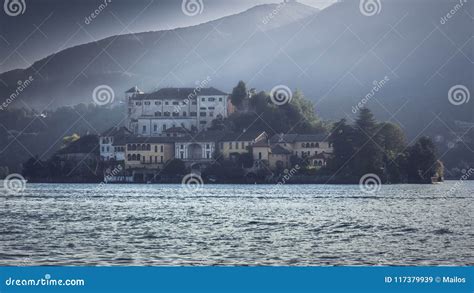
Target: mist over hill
x=335, y=57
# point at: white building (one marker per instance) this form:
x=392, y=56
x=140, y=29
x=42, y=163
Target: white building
x=192, y=109
x=112, y=144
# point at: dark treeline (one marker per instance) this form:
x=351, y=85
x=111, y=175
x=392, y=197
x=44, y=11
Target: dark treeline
x=380, y=148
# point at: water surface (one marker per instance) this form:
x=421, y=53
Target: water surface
x=69, y=224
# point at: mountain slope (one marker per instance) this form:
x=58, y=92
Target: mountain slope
x=333, y=56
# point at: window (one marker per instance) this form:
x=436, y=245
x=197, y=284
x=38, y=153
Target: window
x=156, y=159
x=175, y=114
x=230, y=145
x=161, y=159
x=167, y=114
x=317, y=145
x=144, y=129
x=176, y=103
x=203, y=108
x=211, y=99
x=236, y=145
x=181, y=146
x=193, y=114
x=208, y=155
x=103, y=149
x=161, y=148
x=155, y=128
x=129, y=157
x=194, y=103
x=208, y=146
x=164, y=127
x=138, y=157
x=243, y=145
x=158, y=114
x=202, y=114
x=156, y=148
x=203, y=99
x=167, y=103
x=147, y=103
x=181, y=155
x=260, y=155
x=211, y=108
x=220, y=99
x=185, y=114
x=108, y=149
x=138, y=103
x=151, y=159
x=157, y=103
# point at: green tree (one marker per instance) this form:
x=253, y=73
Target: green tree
x=239, y=94
x=392, y=139
x=422, y=163
x=369, y=154
x=342, y=140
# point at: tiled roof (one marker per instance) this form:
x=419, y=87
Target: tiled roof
x=279, y=150
x=117, y=131
x=179, y=93
x=242, y=136
x=134, y=89
x=136, y=139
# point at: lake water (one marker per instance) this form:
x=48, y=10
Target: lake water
x=68, y=224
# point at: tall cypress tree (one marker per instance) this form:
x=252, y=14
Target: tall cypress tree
x=369, y=154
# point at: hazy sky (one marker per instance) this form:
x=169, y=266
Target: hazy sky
x=48, y=26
